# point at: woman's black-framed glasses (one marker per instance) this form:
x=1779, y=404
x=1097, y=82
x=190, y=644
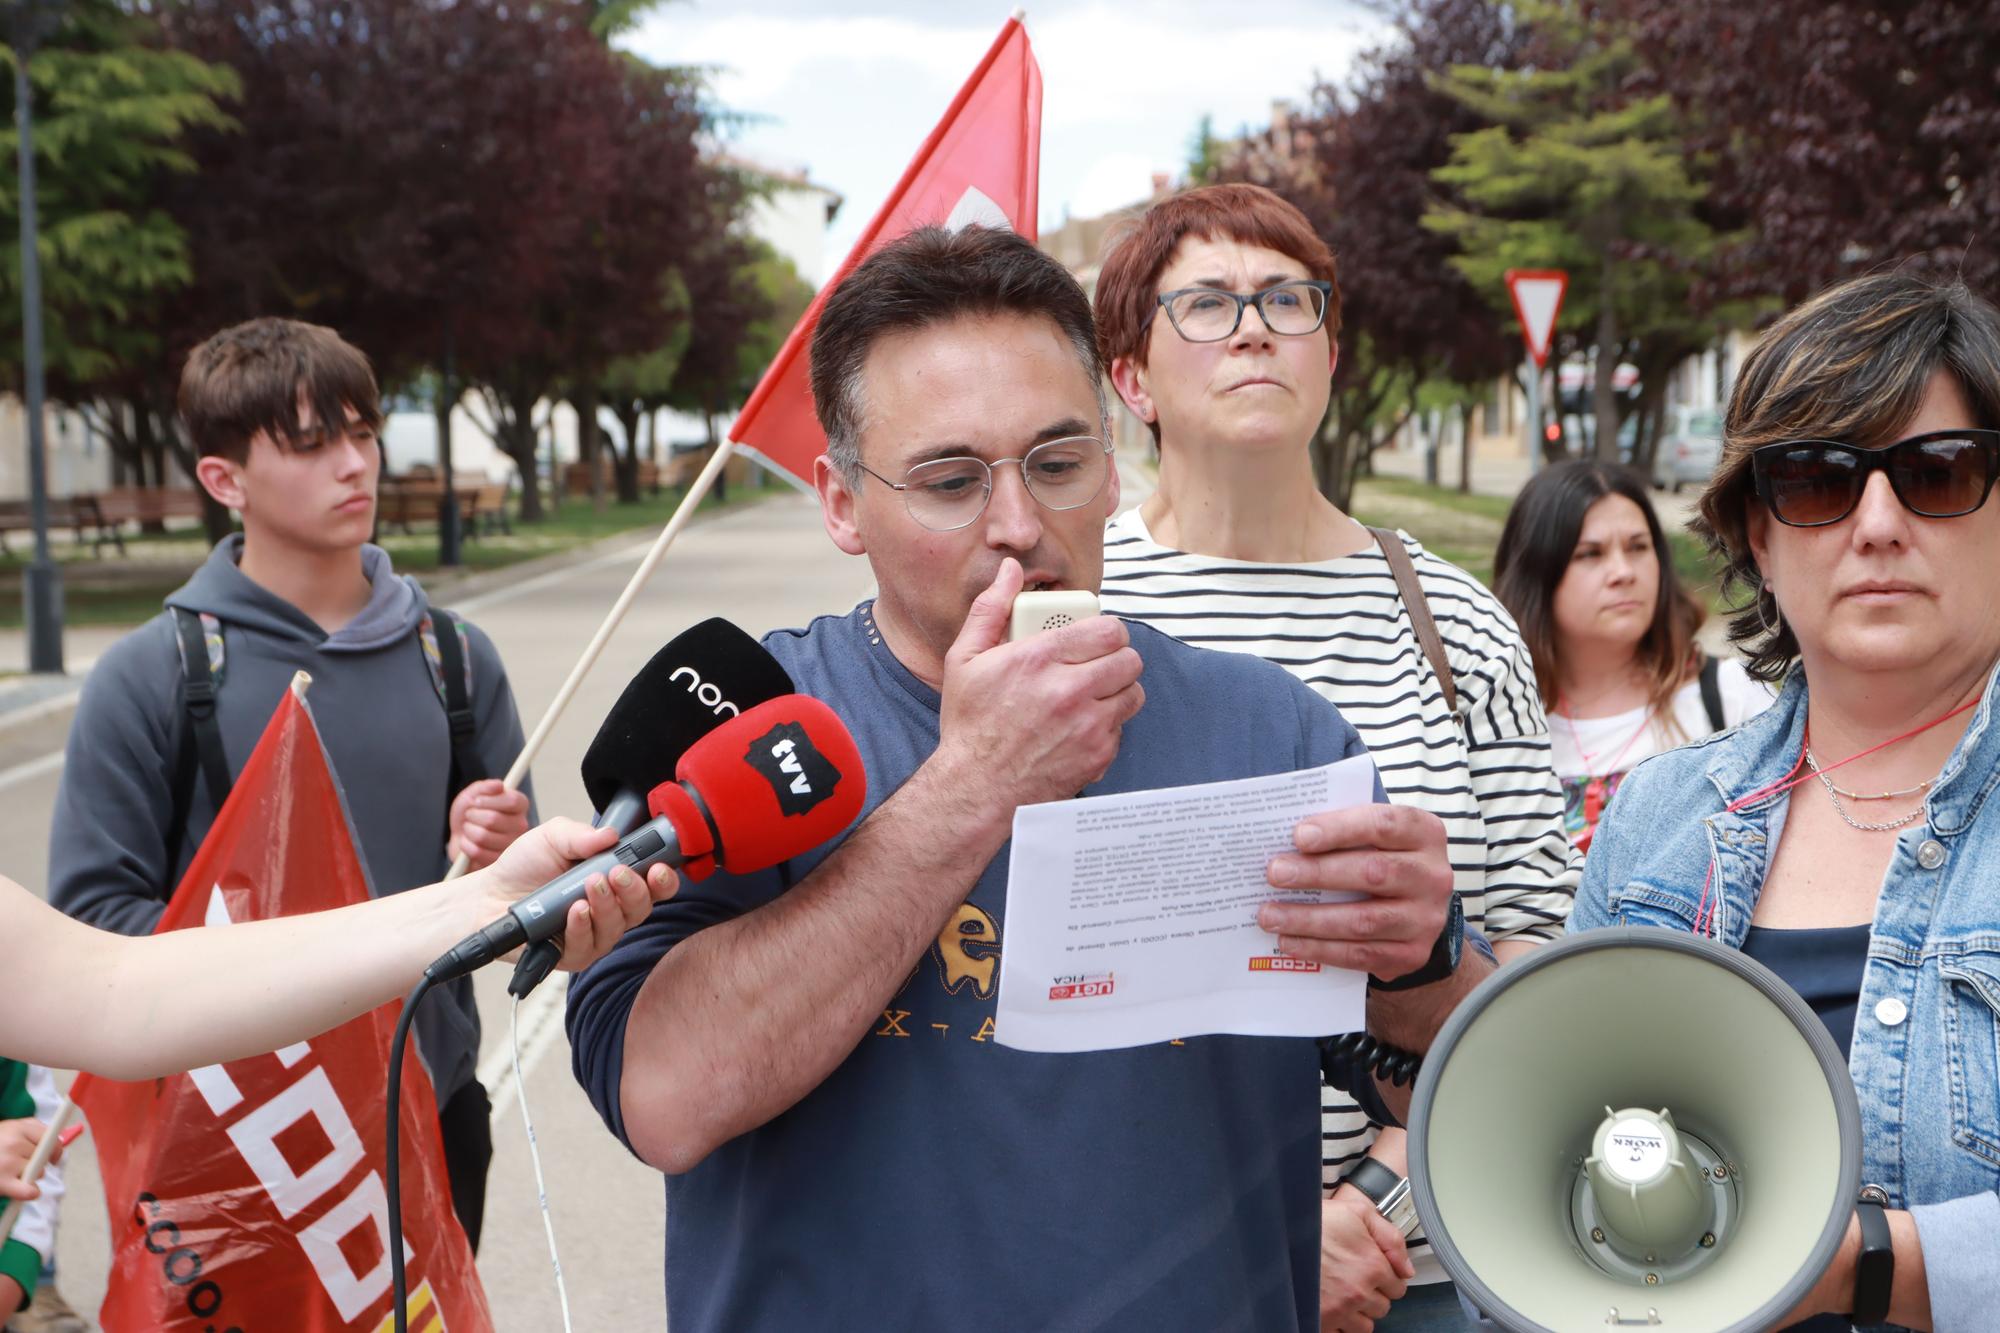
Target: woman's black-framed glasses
x=1208, y=314
x=1941, y=474
x=946, y=494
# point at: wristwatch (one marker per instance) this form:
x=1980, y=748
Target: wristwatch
x=1875, y=1267
x=1389, y=1192
x=1444, y=955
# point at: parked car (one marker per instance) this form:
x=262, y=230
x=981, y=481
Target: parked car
x=1689, y=450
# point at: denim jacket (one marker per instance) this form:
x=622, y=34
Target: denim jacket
x=1926, y=1050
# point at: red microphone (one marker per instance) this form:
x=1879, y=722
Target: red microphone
x=776, y=781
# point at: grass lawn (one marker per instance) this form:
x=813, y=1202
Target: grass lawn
x=114, y=591
x=1464, y=529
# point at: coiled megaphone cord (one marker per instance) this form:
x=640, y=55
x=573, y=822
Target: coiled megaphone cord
x=1353, y=1058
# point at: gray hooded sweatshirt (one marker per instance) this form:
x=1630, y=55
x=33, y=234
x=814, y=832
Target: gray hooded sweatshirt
x=379, y=716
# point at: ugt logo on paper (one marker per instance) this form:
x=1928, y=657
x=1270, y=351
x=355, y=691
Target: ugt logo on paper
x=1081, y=986
x=798, y=773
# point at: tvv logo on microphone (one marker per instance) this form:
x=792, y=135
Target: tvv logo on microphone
x=798, y=773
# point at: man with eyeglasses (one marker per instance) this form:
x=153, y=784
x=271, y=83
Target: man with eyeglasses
x=808, y=1053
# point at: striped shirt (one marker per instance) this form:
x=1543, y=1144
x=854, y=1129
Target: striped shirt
x=1340, y=626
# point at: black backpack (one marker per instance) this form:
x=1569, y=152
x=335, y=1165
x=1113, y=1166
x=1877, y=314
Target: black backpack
x=441, y=640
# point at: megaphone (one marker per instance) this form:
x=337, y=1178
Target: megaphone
x=1683, y=1139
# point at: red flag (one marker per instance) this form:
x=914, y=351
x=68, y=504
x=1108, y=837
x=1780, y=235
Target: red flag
x=982, y=164
x=250, y=1195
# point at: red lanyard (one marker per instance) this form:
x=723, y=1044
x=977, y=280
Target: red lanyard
x=1703, y=910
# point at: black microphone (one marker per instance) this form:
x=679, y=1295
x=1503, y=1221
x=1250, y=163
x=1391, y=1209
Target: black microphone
x=775, y=782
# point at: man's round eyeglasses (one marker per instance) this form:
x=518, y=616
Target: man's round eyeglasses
x=1208, y=314
x=946, y=494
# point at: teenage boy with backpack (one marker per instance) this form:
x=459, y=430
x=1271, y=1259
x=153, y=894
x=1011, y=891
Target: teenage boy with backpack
x=412, y=703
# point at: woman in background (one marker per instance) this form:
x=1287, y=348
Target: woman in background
x=1611, y=631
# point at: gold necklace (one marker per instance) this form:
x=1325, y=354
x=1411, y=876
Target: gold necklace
x=1813, y=759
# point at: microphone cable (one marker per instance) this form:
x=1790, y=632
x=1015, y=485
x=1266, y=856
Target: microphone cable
x=534, y=965
x=392, y=1147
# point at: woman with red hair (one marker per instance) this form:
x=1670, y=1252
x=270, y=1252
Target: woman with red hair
x=1217, y=314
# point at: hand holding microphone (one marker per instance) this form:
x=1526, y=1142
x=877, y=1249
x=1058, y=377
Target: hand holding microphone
x=612, y=900
x=1040, y=719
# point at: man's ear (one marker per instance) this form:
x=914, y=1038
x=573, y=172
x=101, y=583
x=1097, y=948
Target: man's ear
x=1129, y=378
x=222, y=479
x=836, y=507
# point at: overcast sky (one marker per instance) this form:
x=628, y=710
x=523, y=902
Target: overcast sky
x=849, y=95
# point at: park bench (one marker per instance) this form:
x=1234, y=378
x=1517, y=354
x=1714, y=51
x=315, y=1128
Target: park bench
x=78, y=513
x=482, y=504
x=142, y=505
x=576, y=477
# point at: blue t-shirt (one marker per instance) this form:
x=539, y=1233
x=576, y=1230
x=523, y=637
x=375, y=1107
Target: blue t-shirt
x=938, y=1180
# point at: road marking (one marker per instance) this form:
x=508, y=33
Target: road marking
x=34, y=768
x=35, y=712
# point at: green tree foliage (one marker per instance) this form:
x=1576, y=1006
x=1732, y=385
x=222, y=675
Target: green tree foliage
x=112, y=107
x=1576, y=171
x=1206, y=153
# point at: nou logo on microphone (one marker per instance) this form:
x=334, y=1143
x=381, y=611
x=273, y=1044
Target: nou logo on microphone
x=1277, y=962
x=709, y=695
x=800, y=776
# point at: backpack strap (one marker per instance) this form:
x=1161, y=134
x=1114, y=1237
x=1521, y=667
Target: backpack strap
x=201, y=654
x=1420, y=611
x=1711, y=691
x=443, y=637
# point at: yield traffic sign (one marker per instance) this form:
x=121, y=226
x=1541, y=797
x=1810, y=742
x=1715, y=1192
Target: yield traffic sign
x=1538, y=299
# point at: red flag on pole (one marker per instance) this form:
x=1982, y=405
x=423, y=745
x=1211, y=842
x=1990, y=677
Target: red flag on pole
x=982, y=164
x=249, y=1195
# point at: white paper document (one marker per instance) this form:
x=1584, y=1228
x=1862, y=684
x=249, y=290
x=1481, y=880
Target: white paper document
x=1132, y=919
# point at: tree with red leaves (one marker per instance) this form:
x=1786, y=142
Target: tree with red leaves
x=1848, y=134
x=482, y=189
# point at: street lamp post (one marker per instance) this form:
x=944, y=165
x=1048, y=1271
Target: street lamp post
x=449, y=518
x=41, y=583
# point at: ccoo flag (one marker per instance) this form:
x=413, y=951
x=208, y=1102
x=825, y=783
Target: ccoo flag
x=980, y=165
x=248, y=1195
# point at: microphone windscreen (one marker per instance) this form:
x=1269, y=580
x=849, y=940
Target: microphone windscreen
x=704, y=677
x=776, y=782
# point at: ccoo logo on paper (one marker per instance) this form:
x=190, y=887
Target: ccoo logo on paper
x=1277, y=962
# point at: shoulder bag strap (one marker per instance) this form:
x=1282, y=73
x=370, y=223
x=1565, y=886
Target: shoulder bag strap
x=1711, y=691
x=1419, y=609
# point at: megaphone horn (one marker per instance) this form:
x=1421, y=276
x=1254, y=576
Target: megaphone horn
x=1684, y=1139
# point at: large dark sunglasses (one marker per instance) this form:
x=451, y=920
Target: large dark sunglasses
x=1811, y=483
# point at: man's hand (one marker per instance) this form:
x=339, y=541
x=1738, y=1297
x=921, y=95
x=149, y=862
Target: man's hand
x=18, y=1140
x=608, y=908
x=1038, y=720
x=485, y=820
x=1363, y=1264
x=1395, y=855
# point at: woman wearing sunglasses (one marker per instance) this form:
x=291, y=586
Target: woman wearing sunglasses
x=1584, y=568
x=1216, y=321
x=1845, y=836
